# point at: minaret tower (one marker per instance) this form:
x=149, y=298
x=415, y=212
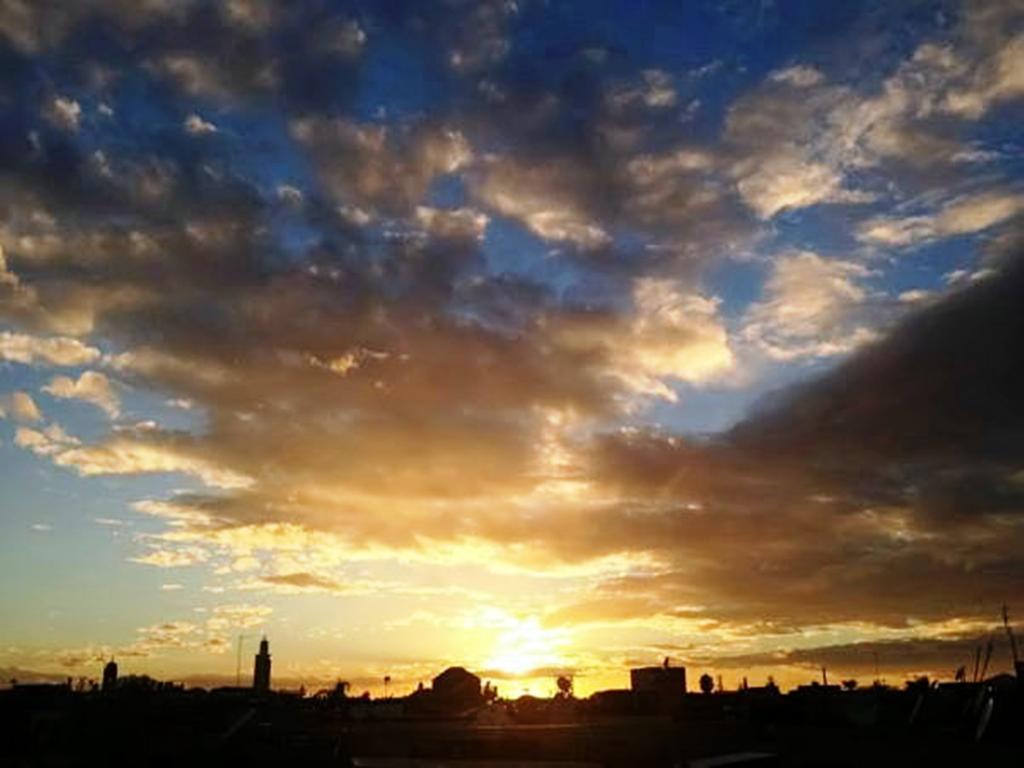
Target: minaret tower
x=261, y=668
x=110, y=675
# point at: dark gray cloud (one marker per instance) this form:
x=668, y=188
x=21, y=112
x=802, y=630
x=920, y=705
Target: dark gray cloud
x=935, y=656
x=940, y=387
x=302, y=580
x=855, y=494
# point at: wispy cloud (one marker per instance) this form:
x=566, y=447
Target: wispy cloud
x=91, y=387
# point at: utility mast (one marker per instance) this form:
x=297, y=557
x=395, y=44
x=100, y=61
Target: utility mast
x=1013, y=642
x=988, y=658
x=238, y=662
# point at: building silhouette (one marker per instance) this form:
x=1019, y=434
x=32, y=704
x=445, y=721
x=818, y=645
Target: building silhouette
x=456, y=689
x=664, y=680
x=261, y=668
x=110, y=675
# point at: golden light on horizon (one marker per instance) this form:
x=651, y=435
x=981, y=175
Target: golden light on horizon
x=524, y=645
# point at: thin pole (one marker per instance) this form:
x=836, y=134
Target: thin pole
x=238, y=665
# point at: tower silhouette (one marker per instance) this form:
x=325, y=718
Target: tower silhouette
x=110, y=675
x=261, y=668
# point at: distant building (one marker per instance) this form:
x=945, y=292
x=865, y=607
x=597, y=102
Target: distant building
x=110, y=675
x=261, y=668
x=457, y=688
x=662, y=680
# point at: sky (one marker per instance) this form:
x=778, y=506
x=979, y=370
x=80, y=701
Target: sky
x=536, y=336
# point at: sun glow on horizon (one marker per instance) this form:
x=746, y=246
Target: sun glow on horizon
x=524, y=645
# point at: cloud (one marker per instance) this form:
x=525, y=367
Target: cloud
x=209, y=636
x=35, y=26
x=64, y=113
x=7, y=277
x=994, y=79
x=346, y=37
x=959, y=216
x=243, y=615
x=478, y=39
x=218, y=80
x=252, y=14
x=799, y=76
x=602, y=610
x=797, y=140
x=177, y=514
x=673, y=334
x=957, y=350
x=289, y=194
x=143, y=454
x=196, y=126
x=91, y=387
x=139, y=450
x=935, y=657
x=52, y=350
x=786, y=153
x=680, y=195
x=812, y=307
x=887, y=230
x=544, y=199
x=47, y=442
x=167, y=635
x=302, y=582
x=852, y=495
x=373, y=166
x=788, y=180
x=347, y=362
x=172, y=558
x=655, y=92
x=978, y=213
x=22, y=303
x=458, y=223
x=21, y=407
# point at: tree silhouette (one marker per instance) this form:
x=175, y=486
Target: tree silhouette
x=707, y=683
x=565, y=688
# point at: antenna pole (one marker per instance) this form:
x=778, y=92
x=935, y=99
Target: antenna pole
x=988, y=658
x=1009, y=634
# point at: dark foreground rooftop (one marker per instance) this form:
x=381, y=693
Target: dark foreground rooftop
x=964, y=725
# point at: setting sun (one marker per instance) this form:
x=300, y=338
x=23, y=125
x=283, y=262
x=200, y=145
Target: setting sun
x=524, y=646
